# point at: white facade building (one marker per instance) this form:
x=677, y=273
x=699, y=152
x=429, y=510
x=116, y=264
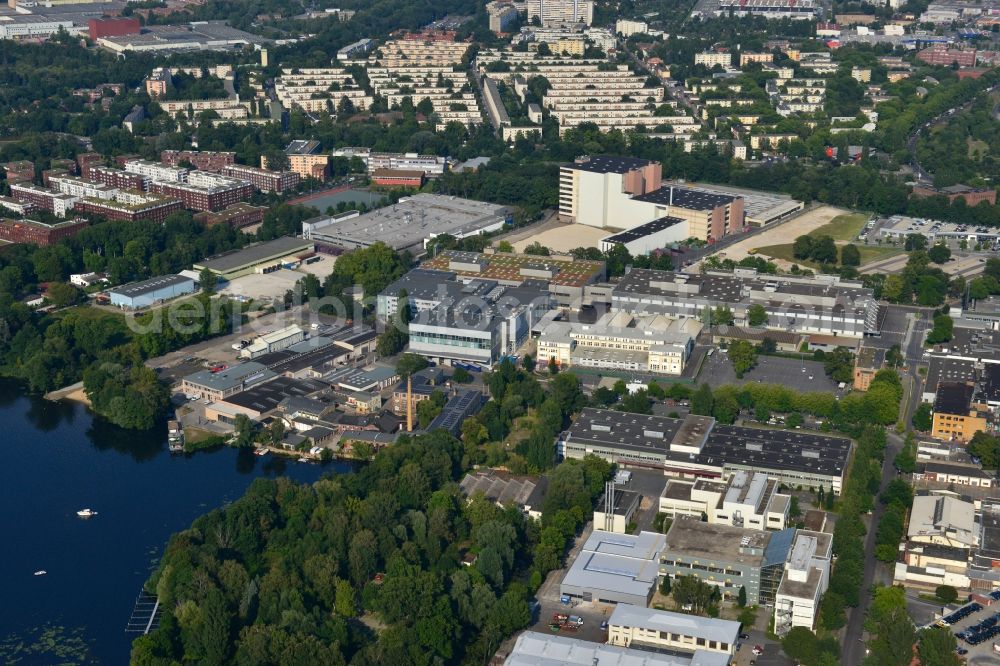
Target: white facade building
x=805, y=580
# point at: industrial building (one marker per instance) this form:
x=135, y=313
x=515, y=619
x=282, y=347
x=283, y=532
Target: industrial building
x=615, y=568
x=805, y=580
x=823, y=304
x=748, y=499
x=697, y=446
x=665, y=631
x=537, y=649
x=116, y=26
x=566, y=279
x=273, y=341
x=410, y=223
x=605, y=191
x=258, y=258
x=464, y=404
x=146, y=293
x=196, y=36
x=727, y=557
x=620, y=341
x=616, y=508
x=215, y=386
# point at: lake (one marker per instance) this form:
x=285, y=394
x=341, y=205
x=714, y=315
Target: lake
x=59, y=458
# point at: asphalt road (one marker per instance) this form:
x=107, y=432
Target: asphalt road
x=853, y=646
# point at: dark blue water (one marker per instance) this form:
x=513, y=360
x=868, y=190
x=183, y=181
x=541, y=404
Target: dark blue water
x=56, y=459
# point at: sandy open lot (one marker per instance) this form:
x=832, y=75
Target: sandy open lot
x=565, y=237
x=783, y=233
x=321, y=268
x=262, y=286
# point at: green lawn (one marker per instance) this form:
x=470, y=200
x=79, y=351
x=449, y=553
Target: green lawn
x=784, y=251
x=870, y=253
x=844, y=227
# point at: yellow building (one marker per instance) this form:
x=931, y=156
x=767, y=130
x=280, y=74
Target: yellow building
x=868, y=362
x=957, y=417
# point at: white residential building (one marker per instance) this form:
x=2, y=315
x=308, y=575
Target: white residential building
x=628, y=27
x=557, y=12
x=804, y=581
x=713, y=58
x=157, y=171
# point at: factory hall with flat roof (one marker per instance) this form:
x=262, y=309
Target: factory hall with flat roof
x=698, y=446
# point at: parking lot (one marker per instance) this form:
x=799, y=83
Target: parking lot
x=801, y=374
x=981, y=625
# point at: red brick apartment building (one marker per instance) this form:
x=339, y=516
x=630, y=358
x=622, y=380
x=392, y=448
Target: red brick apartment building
x=86, y=160
x=38, y=233
x=202, y=160
x=398, y=178
x=211, y=198
x=155, y=208
x=971, y=195
x=123, y=180
x=944, y=57
x=236, y=216
x=264, y=180
x=21, y=171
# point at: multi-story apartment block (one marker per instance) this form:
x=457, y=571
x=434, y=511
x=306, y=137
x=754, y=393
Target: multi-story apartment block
x=159, y=82
x=204, y=191
x=304, y=159
x=131, y=206
x=15, y=206
x=417, y=70
x=264, y=180
x=943, y=56
x=236, y=216
x=80, y=188
x=791, y=96
x=155, y=171
x=581, y=92
x=57, y=203
x=116, y=178
x=201, y=160
x=628, y=27
x=713, y=58
x=503, y=16
x=356, y=50
x=605, y=191
x=558, y=12
x=38, y=233
x=746, y=58
x=20, y=171
x=232, y=108
x=772, y=9
x=319, y=90
x=431, y=53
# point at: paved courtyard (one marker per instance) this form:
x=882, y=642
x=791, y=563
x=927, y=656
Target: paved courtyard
x=801, y=374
